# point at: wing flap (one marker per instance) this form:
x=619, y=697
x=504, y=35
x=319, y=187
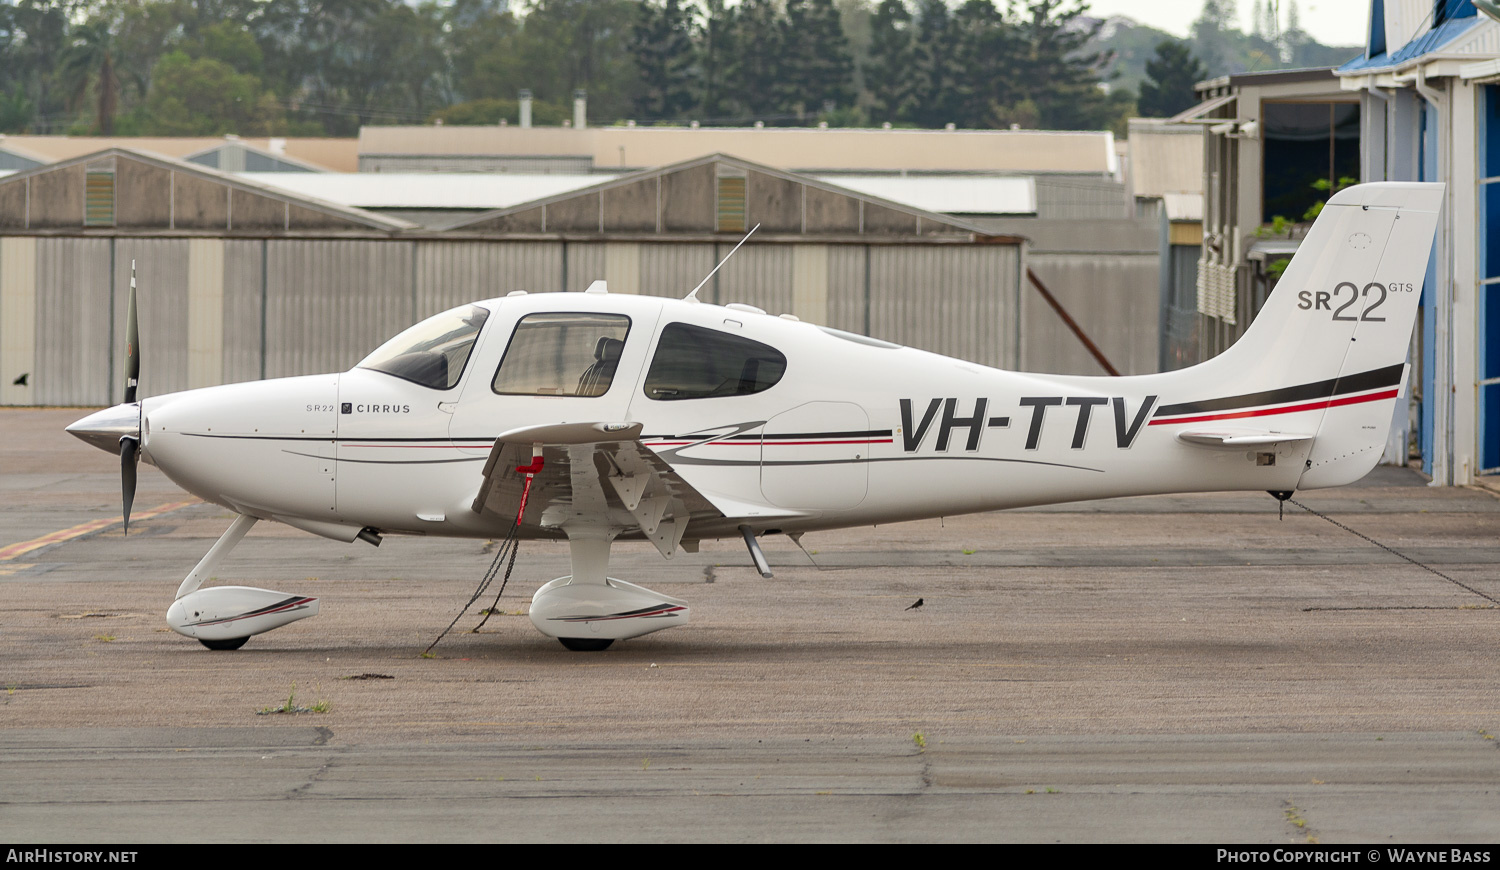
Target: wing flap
x=594, y=476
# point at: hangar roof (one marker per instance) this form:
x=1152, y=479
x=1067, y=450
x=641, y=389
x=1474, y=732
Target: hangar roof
x=125, y=189
x=328, y=155
x=440, y=190
x=121, y=189
x=717, y=194
x=988, y=195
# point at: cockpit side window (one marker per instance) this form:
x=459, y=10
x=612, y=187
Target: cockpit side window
x=696, y=363
x=562, y=354
x=434, y=352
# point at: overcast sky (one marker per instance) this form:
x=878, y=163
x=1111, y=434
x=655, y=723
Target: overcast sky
x=1331, y=22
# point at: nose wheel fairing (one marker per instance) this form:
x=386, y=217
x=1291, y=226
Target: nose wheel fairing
x=219, y=615
x=225, y=613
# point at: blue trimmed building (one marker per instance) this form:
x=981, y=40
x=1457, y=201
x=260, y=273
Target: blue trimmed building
x=1429, y=88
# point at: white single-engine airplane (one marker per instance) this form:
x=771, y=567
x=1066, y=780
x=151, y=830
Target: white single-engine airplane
x=600, y=417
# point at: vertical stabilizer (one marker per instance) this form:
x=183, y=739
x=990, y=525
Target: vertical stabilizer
x=1333, y=338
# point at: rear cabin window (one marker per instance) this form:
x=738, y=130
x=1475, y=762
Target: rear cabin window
x=562, y=354
x=696, y=363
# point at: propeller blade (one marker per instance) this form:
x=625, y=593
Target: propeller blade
x=129, y=452
x=132, y=344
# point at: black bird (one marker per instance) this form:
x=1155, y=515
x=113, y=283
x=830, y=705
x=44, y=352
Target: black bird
x=916, y=606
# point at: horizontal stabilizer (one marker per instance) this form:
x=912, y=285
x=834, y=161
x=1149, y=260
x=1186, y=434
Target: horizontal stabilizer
x=1238, y=438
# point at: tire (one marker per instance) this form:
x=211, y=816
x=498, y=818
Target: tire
x=586, y=644
x=232, y=643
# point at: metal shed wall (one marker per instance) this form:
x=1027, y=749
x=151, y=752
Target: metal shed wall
x=1072, y=197
x=330, y=302
x=960, y=302
x=586, y=263
x=161, y=271
x=244, y=309
x=279, y=307
x=73, y=350
x=1116, y=300
x=759, y=276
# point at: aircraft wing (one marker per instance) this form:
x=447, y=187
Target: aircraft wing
x=594, y=475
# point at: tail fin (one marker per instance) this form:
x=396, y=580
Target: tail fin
x=1331, y=342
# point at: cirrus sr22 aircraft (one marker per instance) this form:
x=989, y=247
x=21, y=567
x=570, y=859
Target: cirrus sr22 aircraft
x=606, y=417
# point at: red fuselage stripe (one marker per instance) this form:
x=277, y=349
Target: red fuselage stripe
x=769, y=443
x=1289, y=409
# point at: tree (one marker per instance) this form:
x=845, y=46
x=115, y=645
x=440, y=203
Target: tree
x=483, y=46
x=888, y=77
x=712, y=59
x=1061, y=76
x=753, y=47
x=855, y=17
x=936, y=73
x=661, y=44
x=144, y=32
x=1170, y=76
x=488, y=111
x=817, y=71
x=567, y=45
x=89, y=61
x=37, y=36
x=206, y=97
x=1211, y=35
x=15, y=111
x=232, y=43
x=987, y=48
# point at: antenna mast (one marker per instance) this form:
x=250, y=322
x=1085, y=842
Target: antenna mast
x=693, y=296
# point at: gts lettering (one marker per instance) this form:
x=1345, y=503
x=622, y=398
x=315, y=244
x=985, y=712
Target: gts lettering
x=972, y=426
x=1374, y=293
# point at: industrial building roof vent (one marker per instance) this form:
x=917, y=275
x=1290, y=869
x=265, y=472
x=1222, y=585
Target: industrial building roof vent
x=99, y=194
x=731, y=199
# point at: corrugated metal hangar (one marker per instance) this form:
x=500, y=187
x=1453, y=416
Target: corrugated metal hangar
x=240, y=280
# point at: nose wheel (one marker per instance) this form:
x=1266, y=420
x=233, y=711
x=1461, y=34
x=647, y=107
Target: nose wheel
x=586, y=644
x=232, y=643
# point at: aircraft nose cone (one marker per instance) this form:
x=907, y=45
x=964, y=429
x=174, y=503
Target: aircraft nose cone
x=104, y=429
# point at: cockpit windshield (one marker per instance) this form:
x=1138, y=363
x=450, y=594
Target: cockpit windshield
x=434, y=352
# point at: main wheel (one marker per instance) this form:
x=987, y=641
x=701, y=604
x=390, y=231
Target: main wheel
x=586, y=644
x=232, y=643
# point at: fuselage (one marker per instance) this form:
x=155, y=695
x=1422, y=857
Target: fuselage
x=852, y=432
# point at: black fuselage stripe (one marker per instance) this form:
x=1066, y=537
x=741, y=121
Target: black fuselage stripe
x=471, y=442
x=869, y=433
x=1371, y=380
